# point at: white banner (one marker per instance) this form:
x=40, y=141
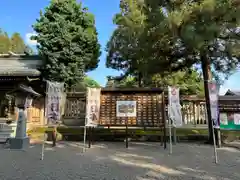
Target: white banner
x=213, y=97
x=126, y=109
x=174, y=107
x=93, y=106
x=54, y=98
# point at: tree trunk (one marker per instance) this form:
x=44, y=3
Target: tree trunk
x=140, y=80
x=207, y=75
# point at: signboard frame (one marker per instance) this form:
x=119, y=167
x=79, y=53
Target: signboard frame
x=124, y=107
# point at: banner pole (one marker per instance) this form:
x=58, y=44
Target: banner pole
x=45, y=115
x=84, y=137
x=126, y=123
x=43, y=147
x=214, y=145
x=170, y=135
x=89, y=136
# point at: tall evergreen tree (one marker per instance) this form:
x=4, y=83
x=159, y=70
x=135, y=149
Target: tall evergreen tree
x=17, y=44
x=5, y=42
x=67, y=40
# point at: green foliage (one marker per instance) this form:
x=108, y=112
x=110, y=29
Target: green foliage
x=195, y=32
x=189, y=82
x=123, y=48
x=17, y=44
x=87, y=82
x=5, y=42
x=127, y=82
x=157, y=38
x=68, y=42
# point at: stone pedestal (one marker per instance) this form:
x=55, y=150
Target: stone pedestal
x=19, y=143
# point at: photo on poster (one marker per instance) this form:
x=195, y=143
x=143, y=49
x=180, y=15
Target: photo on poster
x=126, y=109
x=236, y=118
x=223, y=119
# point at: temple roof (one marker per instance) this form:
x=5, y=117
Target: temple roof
x=232, y=93
x=19, y=65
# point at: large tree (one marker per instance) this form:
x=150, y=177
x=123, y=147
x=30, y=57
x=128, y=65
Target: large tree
x=177, y=35
x=123, y=48
x=67, y=39
x=202, y=32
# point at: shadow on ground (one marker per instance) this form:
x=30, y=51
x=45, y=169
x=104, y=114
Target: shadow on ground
x=141, y=161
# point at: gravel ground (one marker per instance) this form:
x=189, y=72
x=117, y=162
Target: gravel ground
x=112, y=161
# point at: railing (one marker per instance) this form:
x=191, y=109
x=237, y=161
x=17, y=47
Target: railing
x=193, y=109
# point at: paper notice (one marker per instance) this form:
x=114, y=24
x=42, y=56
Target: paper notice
x=237, y=119
x=223, y=119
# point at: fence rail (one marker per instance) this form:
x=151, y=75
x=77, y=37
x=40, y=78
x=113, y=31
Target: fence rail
x=149, y=109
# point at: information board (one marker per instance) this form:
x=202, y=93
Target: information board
x=230, y=121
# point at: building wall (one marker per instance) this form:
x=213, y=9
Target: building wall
x=35, y=114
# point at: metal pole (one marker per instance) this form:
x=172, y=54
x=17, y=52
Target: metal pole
x=43, y=147
x=170, y=135
x=214, y=145
x=174, y=136
x=126, y=123
x=84, y=136
x=89, y=136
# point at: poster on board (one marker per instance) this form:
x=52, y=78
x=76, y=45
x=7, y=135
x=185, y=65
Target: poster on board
x=223, y=118
x=236, y=118
x=230, y=121
x=126, y=109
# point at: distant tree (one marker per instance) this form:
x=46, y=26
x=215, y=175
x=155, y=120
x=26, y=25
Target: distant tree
x=126, y=82
x=68, y=43
x=189, y=82
x=5, y=42
x=17, y=44
x=87, y=82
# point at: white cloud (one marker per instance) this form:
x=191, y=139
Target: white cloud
x=223, y=90
x=29, y=41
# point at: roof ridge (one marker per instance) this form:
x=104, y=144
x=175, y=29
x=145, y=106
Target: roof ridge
x=11, y=54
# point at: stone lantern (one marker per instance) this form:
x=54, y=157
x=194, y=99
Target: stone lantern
x=23, y=95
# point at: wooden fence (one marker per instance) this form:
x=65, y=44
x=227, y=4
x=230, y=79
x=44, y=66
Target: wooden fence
x=193, y=109
x=149, y=108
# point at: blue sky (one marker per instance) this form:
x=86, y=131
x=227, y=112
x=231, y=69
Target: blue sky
x=19, y=15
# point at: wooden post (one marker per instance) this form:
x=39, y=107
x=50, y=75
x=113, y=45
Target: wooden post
x=93, y=136
x=174, y=136
x=89, y=137
x=54, y=136
x=164, y=121
x=126, y=123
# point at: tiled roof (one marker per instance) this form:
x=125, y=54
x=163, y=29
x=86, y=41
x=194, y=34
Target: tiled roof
x=19, y=72
x=19, y=65
x=233, y=93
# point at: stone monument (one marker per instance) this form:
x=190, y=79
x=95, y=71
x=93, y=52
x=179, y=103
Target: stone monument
x=25, y=94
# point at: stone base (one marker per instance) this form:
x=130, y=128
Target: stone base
x=19, y=143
